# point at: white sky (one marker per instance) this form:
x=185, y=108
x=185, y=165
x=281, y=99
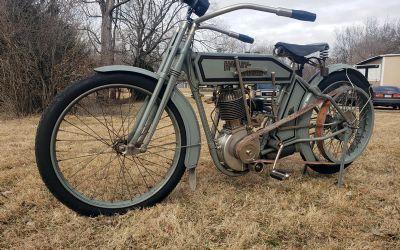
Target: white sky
x=331, y=15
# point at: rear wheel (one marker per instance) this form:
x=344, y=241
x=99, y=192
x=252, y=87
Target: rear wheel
x=326, y=120
x=80, y=147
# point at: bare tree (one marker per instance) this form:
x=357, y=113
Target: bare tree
x=263, y=47
x=359, y=42
x=146, y=27
x=40, y=53
x=109, y=12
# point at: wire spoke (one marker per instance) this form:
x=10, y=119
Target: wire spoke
x=154, y=153
x=105, y=121
x=71, y=132
x=83, y=156
x=98, y=120
x=147, y=170
x=167, y=126
x=129, y=173
x=78, y=140
x=95, y=172
x=122, y=170
x=157, y=164
x=127, y=117
x=105, y=140
x=133, y=160
x=98, y=138
x=140, y=172
x=162, y=137
x=160, y=145
x=85, y=165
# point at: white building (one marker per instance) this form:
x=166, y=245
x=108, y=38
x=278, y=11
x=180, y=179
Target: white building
x=383, y=70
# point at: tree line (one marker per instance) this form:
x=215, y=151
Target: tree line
x=47, y=44
x=356, y=43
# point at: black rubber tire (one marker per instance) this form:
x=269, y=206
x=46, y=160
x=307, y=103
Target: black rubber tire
x=49, y=119
x=336, y=77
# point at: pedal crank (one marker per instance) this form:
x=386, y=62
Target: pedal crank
x=279, y=174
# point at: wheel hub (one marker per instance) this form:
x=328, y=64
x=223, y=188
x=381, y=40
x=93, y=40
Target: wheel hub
x=120, y=146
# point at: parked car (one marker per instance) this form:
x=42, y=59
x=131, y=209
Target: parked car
x=262, y=97
x=387, y=96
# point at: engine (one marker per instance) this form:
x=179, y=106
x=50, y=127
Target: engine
x=231, y=107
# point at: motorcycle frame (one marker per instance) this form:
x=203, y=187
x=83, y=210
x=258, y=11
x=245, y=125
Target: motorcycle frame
x=179, y=57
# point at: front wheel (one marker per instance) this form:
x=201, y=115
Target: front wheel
x=79, y=146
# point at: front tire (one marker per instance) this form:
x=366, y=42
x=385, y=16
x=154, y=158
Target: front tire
x=78, y=145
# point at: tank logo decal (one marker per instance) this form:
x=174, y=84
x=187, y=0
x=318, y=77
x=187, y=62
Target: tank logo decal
x=231, y=64
x=253, y=72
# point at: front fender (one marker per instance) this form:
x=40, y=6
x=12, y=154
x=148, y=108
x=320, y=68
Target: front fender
x=126, y=68
x=193, y=140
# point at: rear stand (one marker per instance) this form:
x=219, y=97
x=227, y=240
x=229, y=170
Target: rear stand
x=343, y=160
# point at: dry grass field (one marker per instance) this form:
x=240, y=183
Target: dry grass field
x=253, y=211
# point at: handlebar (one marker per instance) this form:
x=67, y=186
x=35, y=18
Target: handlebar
x=295, y=14
x=246, y=39
x=241, y=37
x=304, y=15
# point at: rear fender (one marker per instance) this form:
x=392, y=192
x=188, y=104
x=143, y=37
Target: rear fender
x=188, y=115
x=337, y=68
x=350, y=72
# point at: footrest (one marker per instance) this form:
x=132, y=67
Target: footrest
x=279, y=174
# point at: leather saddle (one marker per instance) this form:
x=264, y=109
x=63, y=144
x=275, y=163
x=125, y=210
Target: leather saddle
x=298, y=52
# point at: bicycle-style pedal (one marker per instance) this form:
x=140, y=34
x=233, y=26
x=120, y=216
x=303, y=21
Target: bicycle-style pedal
x=279, y=174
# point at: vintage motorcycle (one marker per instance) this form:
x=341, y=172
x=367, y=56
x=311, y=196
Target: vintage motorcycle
x=123, y=138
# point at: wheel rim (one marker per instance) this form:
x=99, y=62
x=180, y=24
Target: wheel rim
x=357, y=106
x=85, y=147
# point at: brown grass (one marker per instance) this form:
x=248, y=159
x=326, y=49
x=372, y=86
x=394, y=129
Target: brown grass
x=250, y=211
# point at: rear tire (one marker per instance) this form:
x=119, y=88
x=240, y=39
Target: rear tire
x=324, y=86
x=78, y=200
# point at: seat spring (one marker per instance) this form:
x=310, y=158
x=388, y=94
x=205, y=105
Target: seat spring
x=324, y=54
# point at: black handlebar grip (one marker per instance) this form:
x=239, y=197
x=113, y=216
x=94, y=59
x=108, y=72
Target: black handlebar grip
x=246, y=39
x=304, y=15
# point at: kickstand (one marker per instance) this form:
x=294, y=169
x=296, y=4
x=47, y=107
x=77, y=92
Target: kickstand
x=343, y=160
x=305, y=169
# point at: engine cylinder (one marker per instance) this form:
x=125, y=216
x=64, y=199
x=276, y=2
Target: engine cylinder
x=230, y=104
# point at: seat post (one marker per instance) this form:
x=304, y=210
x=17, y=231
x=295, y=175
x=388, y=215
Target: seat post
x=300, y=69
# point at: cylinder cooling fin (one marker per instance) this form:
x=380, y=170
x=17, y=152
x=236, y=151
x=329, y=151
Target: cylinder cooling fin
x=230, y=104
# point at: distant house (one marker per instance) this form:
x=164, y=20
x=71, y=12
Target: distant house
x=383, y=70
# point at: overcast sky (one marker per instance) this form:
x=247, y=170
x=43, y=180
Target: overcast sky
x=331, y=15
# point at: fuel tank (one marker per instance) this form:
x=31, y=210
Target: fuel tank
x=220, y=68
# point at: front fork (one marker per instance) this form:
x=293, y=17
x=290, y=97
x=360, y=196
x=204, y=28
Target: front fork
x=151, y=112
